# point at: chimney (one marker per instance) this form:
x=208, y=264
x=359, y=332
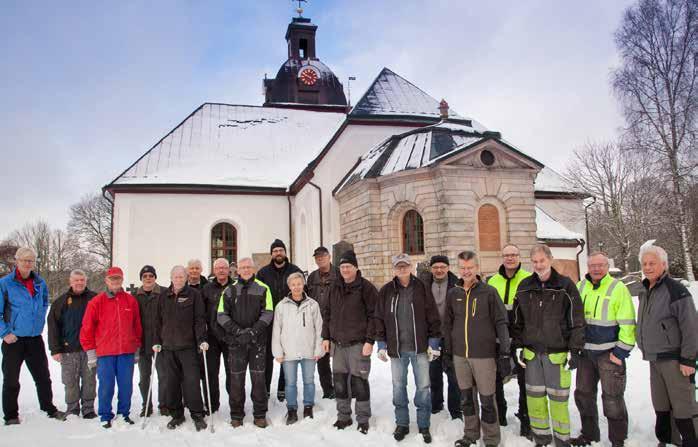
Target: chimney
x=443, y=109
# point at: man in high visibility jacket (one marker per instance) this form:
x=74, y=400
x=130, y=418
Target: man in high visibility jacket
x=609, y=338
x=506, y=281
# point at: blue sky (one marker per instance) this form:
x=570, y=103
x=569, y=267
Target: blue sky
x=87, y=86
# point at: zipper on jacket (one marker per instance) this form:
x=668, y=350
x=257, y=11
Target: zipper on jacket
x=596, y=305
x=303, y=319
x=414, y=328
x=396, y=298
x=467, y=313
x=474, y=306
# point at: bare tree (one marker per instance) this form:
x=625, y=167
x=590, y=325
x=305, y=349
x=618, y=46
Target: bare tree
x=7, y=256
x=656, y=83
x=90, y=223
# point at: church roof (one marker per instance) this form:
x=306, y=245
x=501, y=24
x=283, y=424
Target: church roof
x=392, y=96
x=234, y=146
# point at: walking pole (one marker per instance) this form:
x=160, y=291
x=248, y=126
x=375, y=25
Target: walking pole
x=150, y=387
x=208, y=392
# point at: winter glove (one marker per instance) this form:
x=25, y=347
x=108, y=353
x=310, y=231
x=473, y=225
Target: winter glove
x=245, y=336
x=520, y=358
x=382, y=350
x=434, y=349
x=136, y=356
x=203, y=346
x=91, y=359
x=157, y=348
x=504, y=366
x=573, y=359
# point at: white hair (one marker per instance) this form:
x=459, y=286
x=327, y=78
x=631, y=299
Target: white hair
x=178, y=268
x=221, y=261
x=78, y=272
x=542, y=248
x=25, y=252
x=295, y=275
x=194, y=262
x=248, y=259
x=654, y=250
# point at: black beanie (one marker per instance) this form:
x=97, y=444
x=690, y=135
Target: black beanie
x=349, y=257
x=438, y=258
x=276, y=244
x=147, y=269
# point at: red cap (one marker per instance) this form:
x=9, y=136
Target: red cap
x=115, y=271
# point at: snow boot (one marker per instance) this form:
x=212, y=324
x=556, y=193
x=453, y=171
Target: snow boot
x=291, y=417
x=363, y=428
x=580, y=441
x=464, y=442
x=128, y=420
x=90, y=415
x=164, y=411
x=426, y=435
x=235, y=423
x=308, y=411
x=143, y=412
x=400, y=432
x=342, y=424
x=175, y=422
x=14, y=421
x=58, y=415
x=200, y=424
x=261, y=422
x=106, y=424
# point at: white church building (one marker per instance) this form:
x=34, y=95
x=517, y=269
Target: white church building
x=397, y=172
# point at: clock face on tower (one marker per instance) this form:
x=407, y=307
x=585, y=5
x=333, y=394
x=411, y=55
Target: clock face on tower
x=308, y=76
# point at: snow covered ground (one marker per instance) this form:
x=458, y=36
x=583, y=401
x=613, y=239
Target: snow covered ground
x=37, y=430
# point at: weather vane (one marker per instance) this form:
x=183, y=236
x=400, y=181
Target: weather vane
x=299, y=10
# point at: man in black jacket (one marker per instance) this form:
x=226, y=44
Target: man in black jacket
x=317, y=287
x=245, y=311
x=180, y=329
x=195, y=279
x=274, y=275
x=440, y=281
x=64, y=322
x=347, y=334
x=408, y=330
x=549, y=327
x=147, y=296
x=211, y=294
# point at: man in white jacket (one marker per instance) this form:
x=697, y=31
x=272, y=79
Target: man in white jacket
x=297, y=340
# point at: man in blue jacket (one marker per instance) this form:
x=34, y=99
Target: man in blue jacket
x=23, y=306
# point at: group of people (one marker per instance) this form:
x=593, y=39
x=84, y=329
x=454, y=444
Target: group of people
x=479, y=332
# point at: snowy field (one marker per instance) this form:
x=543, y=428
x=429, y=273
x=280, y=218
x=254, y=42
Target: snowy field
x=37, y=430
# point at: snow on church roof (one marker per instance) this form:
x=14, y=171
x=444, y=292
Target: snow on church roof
x=235, y=145
x=549, y=228
x=391, y=95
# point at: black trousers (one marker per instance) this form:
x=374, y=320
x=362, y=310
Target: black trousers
x=182, y=373
x=325, y=373
x=269, y=367
x=240, y=357
x=501, y=400
x=32, y=351
x=216, y=349
x=145, y=364
x=437, y=369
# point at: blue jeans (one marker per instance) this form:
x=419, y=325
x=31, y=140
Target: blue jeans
x=290, y=369
x=111, y=370
x=422, y=397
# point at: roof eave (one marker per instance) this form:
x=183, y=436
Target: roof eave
x=192, y=188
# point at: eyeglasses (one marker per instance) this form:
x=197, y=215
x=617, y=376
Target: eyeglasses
x=510, y=255
x=27, y=261
x=148, y=275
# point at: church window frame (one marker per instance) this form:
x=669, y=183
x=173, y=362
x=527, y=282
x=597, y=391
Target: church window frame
x=412, y=233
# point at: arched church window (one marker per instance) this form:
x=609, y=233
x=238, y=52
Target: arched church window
x=224, y=242
x=488, y=228
x=413, y=233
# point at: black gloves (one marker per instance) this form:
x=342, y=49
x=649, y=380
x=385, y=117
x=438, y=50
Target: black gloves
x=504, y=366
x=573, y=361
x=244, y=336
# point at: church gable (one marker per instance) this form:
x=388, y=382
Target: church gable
x=489, y=153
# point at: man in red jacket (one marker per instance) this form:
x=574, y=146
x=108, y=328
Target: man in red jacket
x=111, y=336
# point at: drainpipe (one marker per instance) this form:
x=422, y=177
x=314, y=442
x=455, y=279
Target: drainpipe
x=111, y=236
x=581, y=249
x=319, y=199
x=290, y=229
x=586, y=219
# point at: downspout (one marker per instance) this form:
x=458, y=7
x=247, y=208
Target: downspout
x=319, y=199
x=581, y=249
x=290, y=228
x=111, y=236
x=586, y=221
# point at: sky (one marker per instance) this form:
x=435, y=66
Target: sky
x=86, y=87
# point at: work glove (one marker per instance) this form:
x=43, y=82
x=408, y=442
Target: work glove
x=573, y=358
x=91, y=359
x=520, y=358
x=382, y=350
x=136, y=356
x=504, y=366
x=434, y=349
x=203, y=346
x=245, y=336
x=157, y=348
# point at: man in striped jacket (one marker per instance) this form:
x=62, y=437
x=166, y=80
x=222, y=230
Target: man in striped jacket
x=609, y=338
